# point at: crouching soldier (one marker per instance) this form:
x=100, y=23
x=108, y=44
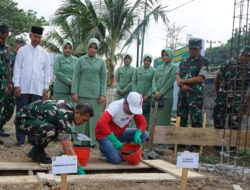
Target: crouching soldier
x=51, y=120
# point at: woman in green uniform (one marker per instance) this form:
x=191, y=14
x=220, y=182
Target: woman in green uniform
x=163, y=86
x=123, y=78
x=64, y=66
x=89, y=85
x=142, y=83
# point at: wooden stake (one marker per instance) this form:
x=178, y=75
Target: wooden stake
x=64, y=182
x=203, y=126
x=184, y=176
x=177, y=124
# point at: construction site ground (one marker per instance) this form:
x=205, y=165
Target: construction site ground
x=213, y=180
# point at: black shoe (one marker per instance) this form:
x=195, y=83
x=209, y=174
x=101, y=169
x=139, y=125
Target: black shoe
x=44, y=154
x=19, y=144
x=38, y=154
x=1, y=142
x=4, y=133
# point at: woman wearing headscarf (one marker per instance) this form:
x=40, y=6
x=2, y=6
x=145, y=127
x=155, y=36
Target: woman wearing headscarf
x=89, y=85
x=163, y=86
x=64, y=66
x=142, y=83
x=123, y=78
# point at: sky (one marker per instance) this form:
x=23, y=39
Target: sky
x=206, y=19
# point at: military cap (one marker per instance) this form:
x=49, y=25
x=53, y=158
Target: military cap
x=246, y=50
x=37, y=30
x=195, y=43
x=20, y=41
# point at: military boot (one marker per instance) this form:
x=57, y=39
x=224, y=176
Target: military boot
x=38, y=154
x=4, y=133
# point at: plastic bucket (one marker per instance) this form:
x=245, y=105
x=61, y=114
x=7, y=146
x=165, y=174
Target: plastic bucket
x=132, y=153
x=82, y=154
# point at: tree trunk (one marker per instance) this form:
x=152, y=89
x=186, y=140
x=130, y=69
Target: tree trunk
x=110, y=74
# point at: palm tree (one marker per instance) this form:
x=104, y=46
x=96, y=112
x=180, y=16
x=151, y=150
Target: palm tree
x=113, y=22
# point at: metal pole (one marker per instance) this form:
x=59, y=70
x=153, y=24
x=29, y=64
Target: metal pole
x=138, y=47
x=143, y=33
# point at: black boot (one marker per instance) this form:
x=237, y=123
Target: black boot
x=38, y=154
x=1, y=142
x=4, y=133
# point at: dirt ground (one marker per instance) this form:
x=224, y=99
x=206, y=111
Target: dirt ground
x=213, y=181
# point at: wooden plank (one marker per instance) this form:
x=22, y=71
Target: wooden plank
x=64, y=182
x=237, y=187
x=108, y=166
x=178, y=121
x=20, y=166
x=170, y=168
x=119, y=177
x=200, y=136
x=203, y=126
x=90, y=166
x=19, y=180
x=184, y=177
x=123, y=177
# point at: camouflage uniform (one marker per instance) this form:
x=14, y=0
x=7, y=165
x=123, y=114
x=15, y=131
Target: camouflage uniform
x=229, y=96
x=5, y=76
x=191, y=101
x=9, y=101
x=45, y=121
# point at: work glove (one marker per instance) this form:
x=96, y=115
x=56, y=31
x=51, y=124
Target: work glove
x=80, y=170
x=116, y=143
x=137, y=137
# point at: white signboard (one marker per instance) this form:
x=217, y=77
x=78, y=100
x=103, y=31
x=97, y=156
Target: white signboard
x=64, y=164
x=187, y=160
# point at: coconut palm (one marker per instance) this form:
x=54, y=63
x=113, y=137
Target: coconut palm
x=113, y=22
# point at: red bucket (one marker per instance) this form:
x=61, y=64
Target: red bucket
x=82, y=154
x=132, y=153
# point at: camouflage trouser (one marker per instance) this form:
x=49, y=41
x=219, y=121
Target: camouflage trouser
x=40, y=132
x=192, y=105
x=2, y=95
x=7, y=109
x=224, y=108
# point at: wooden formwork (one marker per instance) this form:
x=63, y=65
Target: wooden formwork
x=169, y=172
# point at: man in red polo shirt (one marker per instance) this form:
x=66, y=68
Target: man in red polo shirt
x=111, y=130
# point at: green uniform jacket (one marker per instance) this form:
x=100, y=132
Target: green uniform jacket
x=164, y=80
x=5, y=68
x=89, y=79
x=142, y=80
x=64, y=69
x=124, y=78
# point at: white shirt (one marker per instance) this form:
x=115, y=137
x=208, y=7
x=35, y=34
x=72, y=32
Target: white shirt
x=119, y=117
x=32, y=70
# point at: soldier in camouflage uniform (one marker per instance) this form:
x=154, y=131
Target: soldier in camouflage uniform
x=51, y=120
x=9, y=100
x=190, y=76
x=5, y=68
x=229, y=90
x=124, y=78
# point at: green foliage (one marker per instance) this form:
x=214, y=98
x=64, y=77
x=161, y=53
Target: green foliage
x=209, y=159
x=219, y=55
x=17, y=19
